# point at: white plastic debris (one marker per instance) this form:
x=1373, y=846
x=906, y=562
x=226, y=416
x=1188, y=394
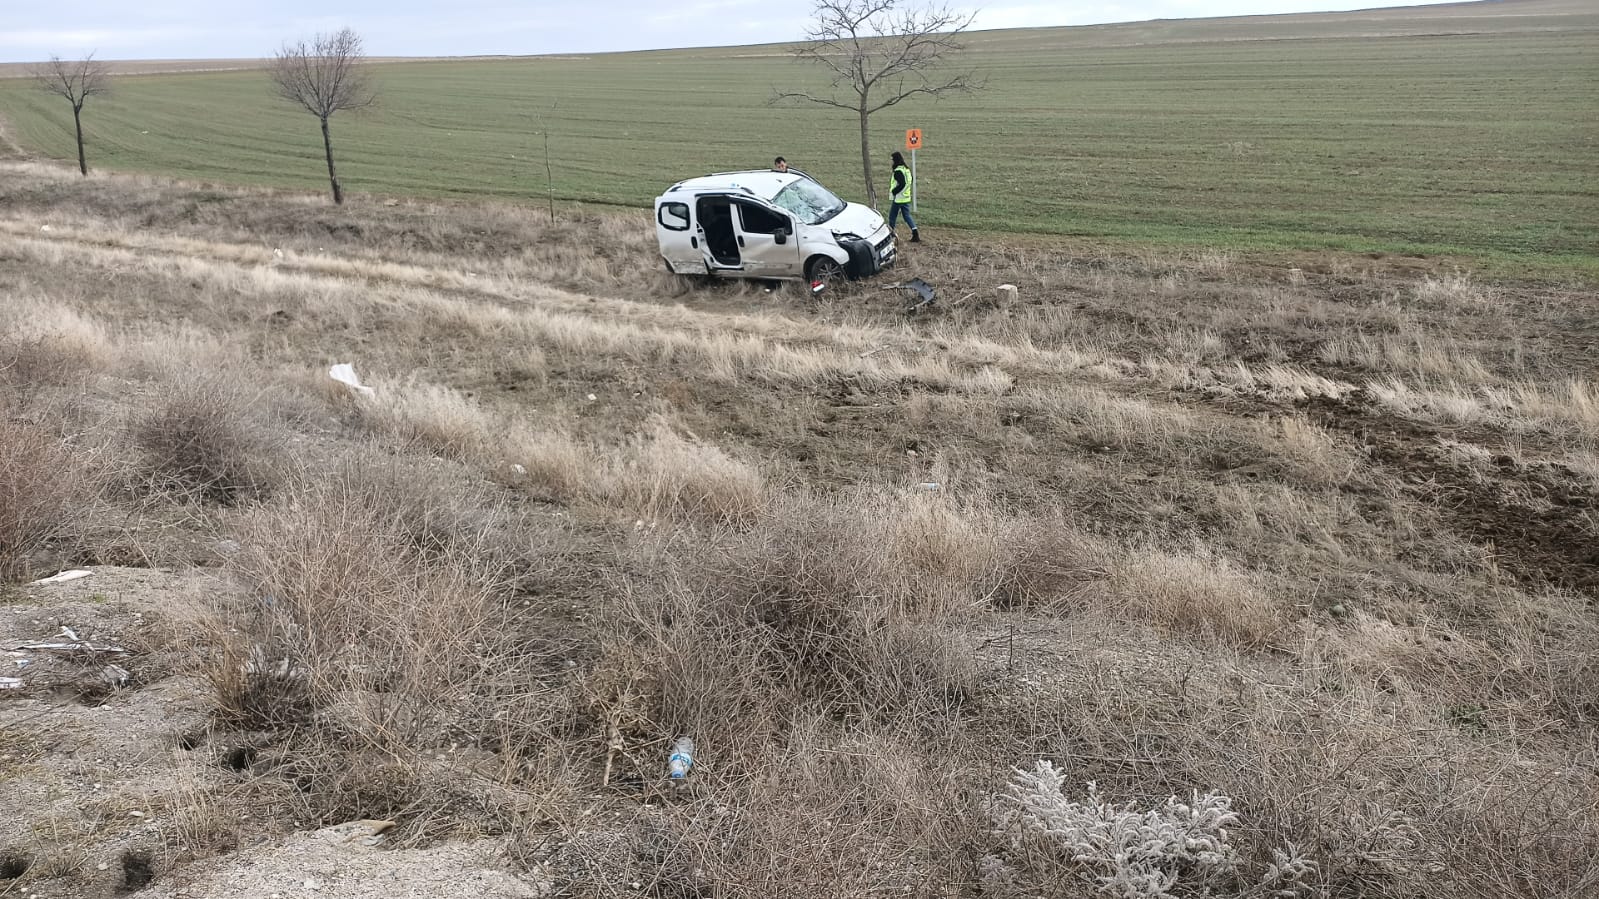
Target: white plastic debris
x=62, y=578
x=682, y=758
x=344, y=373
x=928, y=485
x=73, y=643
x=1005, y=293
x=11, y=683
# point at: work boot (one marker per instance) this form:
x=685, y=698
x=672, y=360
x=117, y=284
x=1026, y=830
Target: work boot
x=915, y=236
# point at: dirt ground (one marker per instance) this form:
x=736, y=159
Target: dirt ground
x=109, y=767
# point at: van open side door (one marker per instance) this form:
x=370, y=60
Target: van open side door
x=679, y=238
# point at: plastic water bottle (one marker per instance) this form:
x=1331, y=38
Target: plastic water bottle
x=682, y=758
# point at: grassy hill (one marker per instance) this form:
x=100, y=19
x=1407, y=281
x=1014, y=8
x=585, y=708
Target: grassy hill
x=1445, y=129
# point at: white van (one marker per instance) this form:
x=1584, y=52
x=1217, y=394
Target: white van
x=767, y=224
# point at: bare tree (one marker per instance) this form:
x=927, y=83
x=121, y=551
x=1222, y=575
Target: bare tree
x=881, y=53
x=324, y=78
x=75, y=81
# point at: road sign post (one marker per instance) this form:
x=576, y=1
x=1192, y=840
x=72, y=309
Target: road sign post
x=913, y=140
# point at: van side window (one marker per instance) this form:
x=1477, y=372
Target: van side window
x=674, y=216
x=760, y=220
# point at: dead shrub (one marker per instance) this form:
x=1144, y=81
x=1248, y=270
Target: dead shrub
x=834, y=812
x=379, y=601
x=44, y=490
x=669, y=477
x=554, y=467
x=828, y=604
x=202, y=439
x=1051, y=565
x=39, y=361
x=49, y=344
x=440, y=418
x=1194, y=594
x=1388, y=810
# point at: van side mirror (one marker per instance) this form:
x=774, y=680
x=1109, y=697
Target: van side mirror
x=780, y=235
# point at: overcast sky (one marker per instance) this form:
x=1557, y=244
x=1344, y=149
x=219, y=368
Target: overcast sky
x=204, y=29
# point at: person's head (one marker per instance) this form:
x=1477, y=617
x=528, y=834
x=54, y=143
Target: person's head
x=780, y=164
x=899, y=159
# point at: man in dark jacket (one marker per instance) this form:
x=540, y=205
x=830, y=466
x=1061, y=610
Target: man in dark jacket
x=902, y=197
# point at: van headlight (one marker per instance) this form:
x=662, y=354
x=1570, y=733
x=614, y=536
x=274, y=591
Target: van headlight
x=842, y=236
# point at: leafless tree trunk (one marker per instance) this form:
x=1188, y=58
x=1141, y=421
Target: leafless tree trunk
x=881, y=53
x=322, y=79
x=75, y=82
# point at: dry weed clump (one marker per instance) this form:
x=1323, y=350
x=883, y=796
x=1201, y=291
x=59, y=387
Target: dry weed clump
x=204, y=439
x=1454, y=291
x=45, y=490
x=45, y=343
x=1424, y=355
x=439, y=418
x=1388, y=806
x=1196, y=594
x=832, y=811
x=552, y=465
x=670, y=478
x=840, y=813
x=836, y=605
x=377, y=604
x=1052, y=566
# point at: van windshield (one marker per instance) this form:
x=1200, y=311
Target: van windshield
x=809, y=201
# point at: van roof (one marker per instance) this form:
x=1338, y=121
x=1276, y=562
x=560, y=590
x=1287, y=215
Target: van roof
x=764, y=183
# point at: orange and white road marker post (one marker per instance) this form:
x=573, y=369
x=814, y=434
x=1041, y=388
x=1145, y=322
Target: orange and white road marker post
x=913, y=140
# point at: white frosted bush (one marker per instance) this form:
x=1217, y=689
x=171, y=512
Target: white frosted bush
x=1178, y=848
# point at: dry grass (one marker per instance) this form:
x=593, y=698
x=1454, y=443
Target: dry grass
x=1196, y=595
x=669, y=477
x=204, y=438
x=1190, y=529
x=370, y=593
x=46, y=494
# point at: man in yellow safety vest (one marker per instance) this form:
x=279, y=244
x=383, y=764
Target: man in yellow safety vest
x=902, y=197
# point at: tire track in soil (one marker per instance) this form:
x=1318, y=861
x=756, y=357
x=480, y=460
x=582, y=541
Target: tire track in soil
x=1540, y=522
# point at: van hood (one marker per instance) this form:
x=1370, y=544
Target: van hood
x=862, y=221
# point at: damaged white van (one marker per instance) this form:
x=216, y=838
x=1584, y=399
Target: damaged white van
x=768, y=224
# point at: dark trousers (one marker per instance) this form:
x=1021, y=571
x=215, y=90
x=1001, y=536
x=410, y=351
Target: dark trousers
x=897, y=210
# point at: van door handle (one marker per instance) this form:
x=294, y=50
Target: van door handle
x=741, y=240
x=694, y=241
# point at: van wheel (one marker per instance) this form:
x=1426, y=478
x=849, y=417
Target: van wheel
x=825, y=270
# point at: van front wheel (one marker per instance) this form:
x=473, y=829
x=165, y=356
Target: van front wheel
x=824, y=270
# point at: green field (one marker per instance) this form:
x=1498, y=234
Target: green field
x=1430, y=130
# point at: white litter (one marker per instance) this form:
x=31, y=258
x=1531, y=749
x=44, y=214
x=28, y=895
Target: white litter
x=62, y=578
x=74, y=644
x=344, y=373
x=11, y=683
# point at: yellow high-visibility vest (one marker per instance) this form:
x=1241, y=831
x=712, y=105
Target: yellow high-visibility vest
x=904, y=193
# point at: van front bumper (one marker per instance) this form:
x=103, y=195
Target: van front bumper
x=867, y=259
